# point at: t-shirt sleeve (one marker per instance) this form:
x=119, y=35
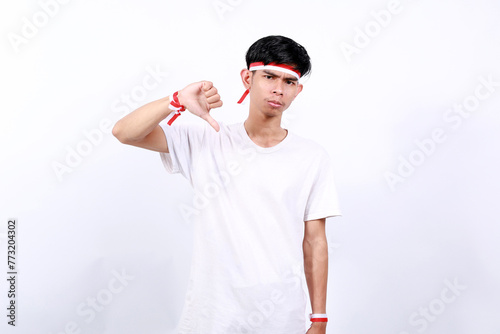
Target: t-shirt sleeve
x=323, y=200
x=184, y=144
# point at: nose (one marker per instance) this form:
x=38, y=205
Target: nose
x=278, y=89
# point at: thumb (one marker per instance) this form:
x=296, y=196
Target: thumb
x=211, y=121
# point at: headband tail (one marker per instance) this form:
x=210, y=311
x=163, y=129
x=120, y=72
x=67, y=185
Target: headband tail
x=244, y=96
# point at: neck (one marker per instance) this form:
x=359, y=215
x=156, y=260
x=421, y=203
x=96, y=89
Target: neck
x=265, y=131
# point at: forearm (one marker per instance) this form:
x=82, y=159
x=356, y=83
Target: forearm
x=139, y=123
x=316, y=272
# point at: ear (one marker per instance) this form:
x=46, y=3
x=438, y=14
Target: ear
x=299, y=89
x=246, y=78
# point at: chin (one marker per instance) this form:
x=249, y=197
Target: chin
x=273, y=112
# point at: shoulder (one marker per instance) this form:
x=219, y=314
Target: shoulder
x=309, y=147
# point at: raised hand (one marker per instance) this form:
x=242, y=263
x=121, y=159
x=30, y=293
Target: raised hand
x=199, y=98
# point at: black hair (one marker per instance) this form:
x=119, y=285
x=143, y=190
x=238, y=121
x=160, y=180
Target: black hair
x=279, y=50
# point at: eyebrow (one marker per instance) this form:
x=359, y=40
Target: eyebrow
x=291, y=78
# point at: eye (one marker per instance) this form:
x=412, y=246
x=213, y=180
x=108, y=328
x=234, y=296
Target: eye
x=290, y=82
x=268, y=77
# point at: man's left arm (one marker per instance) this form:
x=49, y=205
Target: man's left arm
x=315, y=248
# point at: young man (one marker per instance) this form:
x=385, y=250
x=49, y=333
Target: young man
x=262, y=197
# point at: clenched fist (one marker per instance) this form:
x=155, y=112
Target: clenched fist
x=199, y=98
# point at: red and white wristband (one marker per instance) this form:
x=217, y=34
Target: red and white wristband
x=316, y=317
x=175, y=106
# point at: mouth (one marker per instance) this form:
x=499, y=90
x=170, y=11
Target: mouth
x=275, y=104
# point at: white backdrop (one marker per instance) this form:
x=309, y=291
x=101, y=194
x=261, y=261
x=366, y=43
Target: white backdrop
x=405, y=96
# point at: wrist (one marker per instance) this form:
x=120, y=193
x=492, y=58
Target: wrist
x=180, y=97
x=319, y=324
x=166, y=104
x=175, y=106
x=318, y=318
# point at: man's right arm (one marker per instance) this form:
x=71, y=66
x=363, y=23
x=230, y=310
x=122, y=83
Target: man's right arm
x=141, y=127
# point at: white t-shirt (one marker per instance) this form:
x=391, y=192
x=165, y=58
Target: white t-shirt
x=249, y=209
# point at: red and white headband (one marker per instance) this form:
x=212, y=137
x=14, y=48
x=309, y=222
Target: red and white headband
x=271, y=66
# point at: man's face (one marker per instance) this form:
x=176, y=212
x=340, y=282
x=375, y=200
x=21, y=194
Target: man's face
x=271, y=91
